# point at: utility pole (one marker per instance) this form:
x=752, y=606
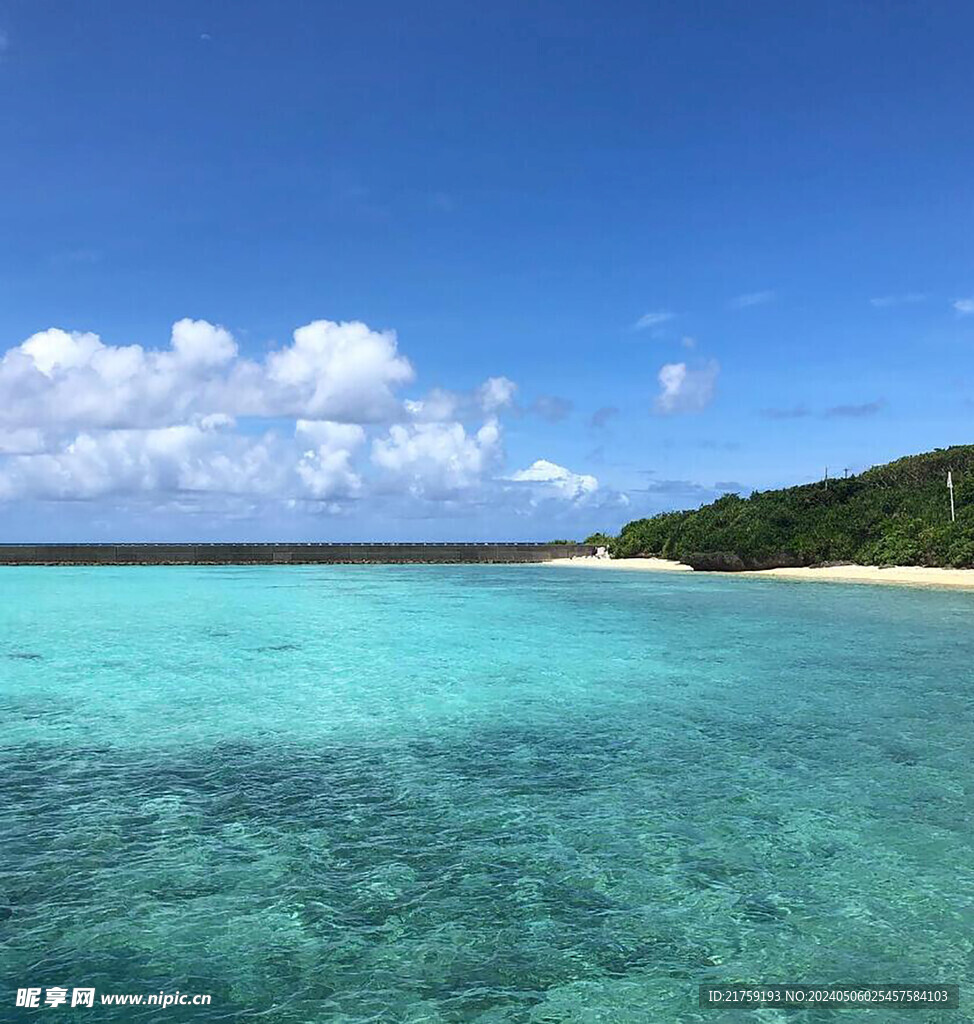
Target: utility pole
x=826, y=477
x=950, y=487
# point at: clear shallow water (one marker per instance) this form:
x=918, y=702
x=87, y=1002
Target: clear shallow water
x=493, y=794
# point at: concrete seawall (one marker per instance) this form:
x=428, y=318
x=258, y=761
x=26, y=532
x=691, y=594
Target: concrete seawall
x=281, y=554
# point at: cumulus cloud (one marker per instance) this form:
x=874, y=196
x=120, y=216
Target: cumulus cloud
x=683, y=389
x=198, y=343
x=55, y=349
x=653, y=319
x=328, y=434
x=343, y=371
x=327, y=474
x=338, y=371
x=548, y=479
x=82, y=419
x=320, y=421
x=437, y=459
x=325, y=469
x=964, y=306
x=162, y=460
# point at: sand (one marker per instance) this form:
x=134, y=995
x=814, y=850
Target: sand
x=643, y=564
x=910, y=575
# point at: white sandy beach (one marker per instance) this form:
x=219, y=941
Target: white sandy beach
x=639, y=564
x=910, y=575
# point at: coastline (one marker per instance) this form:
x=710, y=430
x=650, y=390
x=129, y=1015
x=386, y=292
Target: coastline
x=901, y=575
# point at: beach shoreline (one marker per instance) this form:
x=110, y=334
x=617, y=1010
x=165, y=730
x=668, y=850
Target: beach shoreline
x=901, y=575
x=635, y=564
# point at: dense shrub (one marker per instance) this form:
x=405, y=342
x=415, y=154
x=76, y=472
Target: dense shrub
x=898, y=514
x=600, y=539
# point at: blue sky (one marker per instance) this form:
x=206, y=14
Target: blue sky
x=780, y=194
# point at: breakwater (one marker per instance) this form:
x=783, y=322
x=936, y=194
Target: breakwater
x=282, y=554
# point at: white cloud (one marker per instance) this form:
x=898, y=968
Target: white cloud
x=203, y=457
x=340, y=371
x=549, y=480
x=198, y=343
x=54, y=350
x=964, y=306
x=437, y=406
x=441, y=406
x=653, y=319
x=83, y=419
x=325, y=470
x=337, y=371
x=163, y=460
x=216, y=421
x=686, y=390
x=437, y=459
x=752, y=299
x=328, y=434
x=22, y=441
x=328, y=474
x=179, y=428
x=496, y=393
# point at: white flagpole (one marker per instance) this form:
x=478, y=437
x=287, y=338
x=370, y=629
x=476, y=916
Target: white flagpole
x=950, y=487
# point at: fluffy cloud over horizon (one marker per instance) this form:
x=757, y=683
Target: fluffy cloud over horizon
x=549, y=480
x=198, y=422
x=337, y=371
x=437, y=459
x=161, y=460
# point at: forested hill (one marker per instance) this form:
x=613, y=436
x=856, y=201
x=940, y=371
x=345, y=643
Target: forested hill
x=895, y=514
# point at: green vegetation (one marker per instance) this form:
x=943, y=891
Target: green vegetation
x=896, y=514
x=602, y=540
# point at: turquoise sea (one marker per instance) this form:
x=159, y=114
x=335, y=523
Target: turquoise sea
x=479, y=794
